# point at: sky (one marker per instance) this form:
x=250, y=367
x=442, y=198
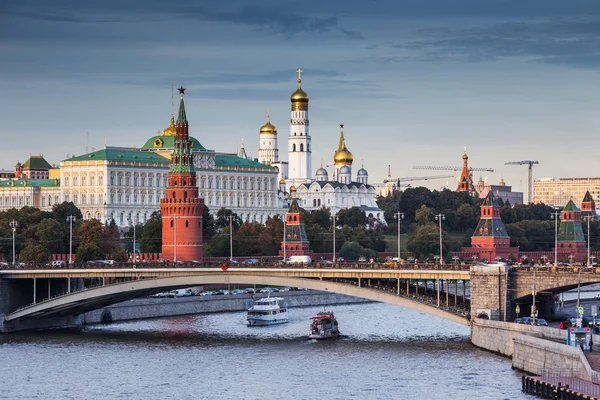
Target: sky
x=413, y=81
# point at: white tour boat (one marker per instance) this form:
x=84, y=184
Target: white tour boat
x=267, y=311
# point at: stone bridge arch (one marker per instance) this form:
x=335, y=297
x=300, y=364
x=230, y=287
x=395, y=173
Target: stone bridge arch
x=91, y=299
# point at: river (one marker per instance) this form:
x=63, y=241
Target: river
x=386, y=352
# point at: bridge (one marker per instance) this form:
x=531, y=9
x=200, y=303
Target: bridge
x=40, y=293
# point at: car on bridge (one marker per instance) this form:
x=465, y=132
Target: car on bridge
x=250, y=261
x=248, y=290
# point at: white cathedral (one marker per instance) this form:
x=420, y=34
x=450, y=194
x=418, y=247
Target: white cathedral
x=295, y=175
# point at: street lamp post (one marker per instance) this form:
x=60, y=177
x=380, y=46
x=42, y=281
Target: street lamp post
x=399, y=216
x=133, y=224
x=474, y=259
x=230, y=217
x=174, y=218
x=589, y=264
x=555, y=216
x=13, y=224
x=284, y=239
x=440, y=217
x=333, y=225
x=534, y=291
x=70, y=220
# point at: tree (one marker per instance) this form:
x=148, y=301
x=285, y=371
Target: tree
x=223, y=218
x=49, y=233
x=423, y=215
x=425, y=241
x=208, y=224
x=151, y=238
x=352, y=217
x=63, y=210
x=321, y=217
x=87, y=252
x=354, y=251
x=467, y=217
x=90, y=232
x=36, y=253
x=110, y=245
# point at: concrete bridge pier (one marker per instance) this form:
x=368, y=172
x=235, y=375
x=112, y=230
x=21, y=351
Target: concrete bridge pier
x=489, y=292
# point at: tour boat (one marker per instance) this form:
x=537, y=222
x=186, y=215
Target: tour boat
x=267, y=311
x=323, y=326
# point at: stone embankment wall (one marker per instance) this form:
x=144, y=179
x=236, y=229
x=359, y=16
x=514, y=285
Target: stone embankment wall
x=533, y=349
x=166, y=307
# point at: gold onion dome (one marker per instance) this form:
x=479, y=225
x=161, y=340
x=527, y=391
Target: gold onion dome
x=343, y=156
x=268, y=128
x=282, y=181
x=465, y=156
x=292, y=189
x=299, y=96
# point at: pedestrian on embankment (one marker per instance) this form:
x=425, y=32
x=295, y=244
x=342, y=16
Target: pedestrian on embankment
x=591, y=343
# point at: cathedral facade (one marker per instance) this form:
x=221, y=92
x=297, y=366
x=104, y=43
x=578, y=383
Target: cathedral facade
x=340, y=191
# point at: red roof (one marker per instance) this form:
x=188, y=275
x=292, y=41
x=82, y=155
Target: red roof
x=322, y=316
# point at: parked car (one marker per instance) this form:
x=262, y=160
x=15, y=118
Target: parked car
x=250, y=261
x=299, y=260
x=519, y=321
x=266, y=290
x=58, y=263
x=207, y=293
x=161, y=294
x=218, y=292
x=248, y=290
x=237, y=291
x=541, y=322
x=286, y=289
x=183, y=293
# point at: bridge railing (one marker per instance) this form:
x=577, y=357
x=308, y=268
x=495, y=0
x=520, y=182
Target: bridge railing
x=274, y=265
x=566, y=269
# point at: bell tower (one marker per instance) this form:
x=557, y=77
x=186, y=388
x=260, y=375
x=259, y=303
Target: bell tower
x=181, y=208
x=299, y=147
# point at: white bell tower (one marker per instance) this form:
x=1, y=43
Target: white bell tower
x=299, y=147
x=267, y=148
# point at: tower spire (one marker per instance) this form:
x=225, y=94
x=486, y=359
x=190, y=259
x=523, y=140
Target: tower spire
x=181, y=117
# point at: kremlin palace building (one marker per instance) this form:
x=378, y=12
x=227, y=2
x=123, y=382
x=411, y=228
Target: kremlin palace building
x=126, y=184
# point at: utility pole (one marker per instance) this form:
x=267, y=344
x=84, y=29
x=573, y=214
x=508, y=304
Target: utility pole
x=284, y=239
x=439, y=217
x=556, y=216
x=70, y=219
x=13, y=224
x=133, y=223
x=334, y=259
x=399, y=216
x=174, y=218
x=230, y=217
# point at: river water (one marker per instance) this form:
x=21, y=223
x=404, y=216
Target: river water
x=386, y=352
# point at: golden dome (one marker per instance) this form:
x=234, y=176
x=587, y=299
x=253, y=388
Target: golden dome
x=299, y=96
x=292, y=189
x=465, y=156
x=282, y=182
x=268, y=129
x=342, y=156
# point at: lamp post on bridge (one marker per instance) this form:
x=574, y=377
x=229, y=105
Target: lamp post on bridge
x=399, y=217
x=133, y=224
x=70, y=220
x=284, y=238
x=174, y=219
x=544, y=258
x=588, y=217
x=534, y=291
x=474, y=259
x=439, y=217
x=555, y=216
x=230, y=217
x=13, y=224
x=333, y=217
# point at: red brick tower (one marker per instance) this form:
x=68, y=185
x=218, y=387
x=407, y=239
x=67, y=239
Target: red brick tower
x=465, y=183
x=588, y=206
x=571, y=241
x=182, y=208
x=296, y=243
x=490, y=239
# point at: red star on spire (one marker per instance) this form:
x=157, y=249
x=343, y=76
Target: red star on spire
x=181, y=90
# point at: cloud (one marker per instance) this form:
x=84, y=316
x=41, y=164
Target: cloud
x=276, y=20
x=574, y=42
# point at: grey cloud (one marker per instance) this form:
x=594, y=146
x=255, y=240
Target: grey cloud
x=276, y=20
x=559, y=41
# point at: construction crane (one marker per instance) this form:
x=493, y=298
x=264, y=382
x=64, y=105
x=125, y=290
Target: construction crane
x=531, y=163
x=397, y=182
x=448, y=168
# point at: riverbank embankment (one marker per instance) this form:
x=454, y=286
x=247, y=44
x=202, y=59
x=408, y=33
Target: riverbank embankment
x=145, y=308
